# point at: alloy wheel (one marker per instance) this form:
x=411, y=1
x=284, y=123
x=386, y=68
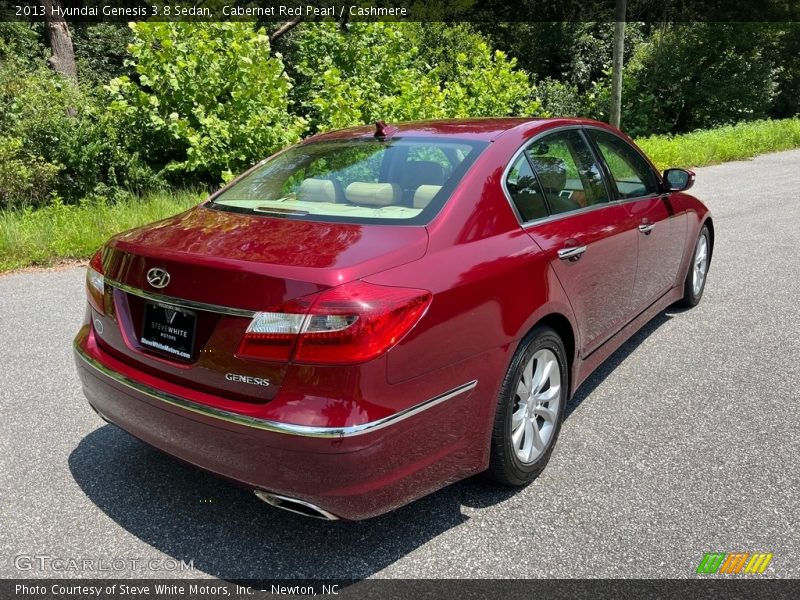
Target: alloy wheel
x=536, y=406
x=700, y=265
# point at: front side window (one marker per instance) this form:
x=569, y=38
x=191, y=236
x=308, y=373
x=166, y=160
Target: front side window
x=569, y=175
x=629, y=169
x=358, y=181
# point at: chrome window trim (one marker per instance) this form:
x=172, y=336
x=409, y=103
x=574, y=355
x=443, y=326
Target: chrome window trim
x=190, y=304
x=659, y=178
x=559, y=216
x=268, y=424
x=549, y=218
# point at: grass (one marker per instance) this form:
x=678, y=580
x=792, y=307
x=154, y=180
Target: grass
x=732, y=142
x=58, y=232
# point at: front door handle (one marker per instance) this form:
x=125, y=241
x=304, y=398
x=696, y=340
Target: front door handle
x=572, y=253
x=646, y=228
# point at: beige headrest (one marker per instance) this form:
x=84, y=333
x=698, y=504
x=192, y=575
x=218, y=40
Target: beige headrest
x=425, y=194
x=317, y=190
x=373, y=194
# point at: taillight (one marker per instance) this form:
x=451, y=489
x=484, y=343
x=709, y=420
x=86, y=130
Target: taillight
x=95, y=283
x=348, y=324
x=273, y=335
x=358, y=321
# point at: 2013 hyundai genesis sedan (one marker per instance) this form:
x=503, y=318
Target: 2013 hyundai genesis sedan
x=375, y=313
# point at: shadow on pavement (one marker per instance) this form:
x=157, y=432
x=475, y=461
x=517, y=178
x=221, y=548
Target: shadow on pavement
x=228, y=533
x=617, y=358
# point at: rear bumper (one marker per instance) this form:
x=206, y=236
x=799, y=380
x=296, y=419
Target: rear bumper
x=354, y=472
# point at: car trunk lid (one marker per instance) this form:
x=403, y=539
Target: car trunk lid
x=222, y=268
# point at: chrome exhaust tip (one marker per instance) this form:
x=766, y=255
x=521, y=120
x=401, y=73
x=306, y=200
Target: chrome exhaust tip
x=299, y=507
x=101, y=415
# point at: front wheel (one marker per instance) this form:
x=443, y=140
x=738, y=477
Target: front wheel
x=695, y=283
x=530, y=409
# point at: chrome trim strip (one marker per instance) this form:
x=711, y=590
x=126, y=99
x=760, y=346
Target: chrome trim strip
x=266, y=424
x=551, y=217
x=191, y=304
x=564, y=215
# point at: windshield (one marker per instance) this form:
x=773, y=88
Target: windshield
x=358, y=181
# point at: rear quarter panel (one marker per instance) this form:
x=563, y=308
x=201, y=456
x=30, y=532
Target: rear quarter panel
x=486, y=295
x=490, y=282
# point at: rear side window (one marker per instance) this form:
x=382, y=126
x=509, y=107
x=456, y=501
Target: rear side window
x=630, y=171
x=524, y=190
x=359, y=181
x=566, y=168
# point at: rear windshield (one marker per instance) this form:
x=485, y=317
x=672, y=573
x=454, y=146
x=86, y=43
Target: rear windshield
x=402, y=181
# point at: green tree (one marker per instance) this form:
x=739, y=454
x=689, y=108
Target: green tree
x=58, y=140
x=575, y=54
x=391, y=71
x=785, y=55
x=22, y=43
x=208, y=97
x=699, y=75
x=101, y=50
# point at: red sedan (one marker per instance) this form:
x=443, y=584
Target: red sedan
x=374, y=313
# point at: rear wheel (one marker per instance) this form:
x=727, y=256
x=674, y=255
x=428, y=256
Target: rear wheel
x=530, y=409
x=695, y=283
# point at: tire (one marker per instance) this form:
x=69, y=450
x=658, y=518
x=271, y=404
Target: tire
x=695, y=283
x=538, y=354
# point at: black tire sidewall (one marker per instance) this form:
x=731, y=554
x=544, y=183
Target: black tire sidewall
x=512, y=470
x=689, y=297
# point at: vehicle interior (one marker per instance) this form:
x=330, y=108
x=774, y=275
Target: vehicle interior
x=557, y=174
x=372, y=179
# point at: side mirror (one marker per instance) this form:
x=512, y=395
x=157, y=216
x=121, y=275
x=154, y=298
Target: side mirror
x=678, y=180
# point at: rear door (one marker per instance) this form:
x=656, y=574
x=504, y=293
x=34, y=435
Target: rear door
x=661, y=228
x=559, y=191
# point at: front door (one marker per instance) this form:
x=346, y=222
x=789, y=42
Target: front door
x=661, y=229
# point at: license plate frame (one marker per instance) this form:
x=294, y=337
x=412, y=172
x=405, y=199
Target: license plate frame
x=169, y=330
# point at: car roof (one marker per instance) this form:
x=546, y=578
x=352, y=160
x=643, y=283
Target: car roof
x=487, y=129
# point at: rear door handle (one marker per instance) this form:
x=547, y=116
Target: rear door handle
x=646, y=228
x=572, y=253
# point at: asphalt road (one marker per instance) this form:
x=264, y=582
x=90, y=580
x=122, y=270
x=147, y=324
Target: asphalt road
x=686, y=440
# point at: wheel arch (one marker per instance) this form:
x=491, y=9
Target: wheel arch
x=709, y=222
x=563, y=327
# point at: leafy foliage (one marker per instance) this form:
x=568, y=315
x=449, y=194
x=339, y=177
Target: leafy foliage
x=377, y=71
x=563, y=99
x=25, y=178
x=698, y=75
x=63, y=141
x=209, y=96
x=785, y=55
x=573, y=53
x=191, y=103
x=21, y=42
x=101, y=50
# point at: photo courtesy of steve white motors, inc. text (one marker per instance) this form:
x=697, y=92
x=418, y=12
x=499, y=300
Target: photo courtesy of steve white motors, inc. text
x=168, y=589
x=198, y=10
